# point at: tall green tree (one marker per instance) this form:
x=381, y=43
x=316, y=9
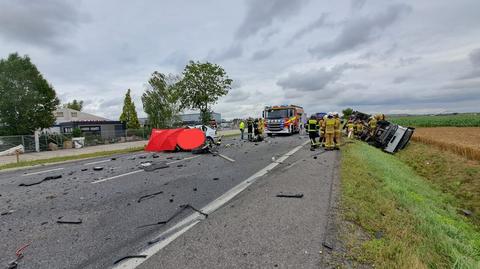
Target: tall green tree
x=161, y=100
x=202, y=85
x=347, y=112
x=75, y=104
x=129, y=113
x=27, y=100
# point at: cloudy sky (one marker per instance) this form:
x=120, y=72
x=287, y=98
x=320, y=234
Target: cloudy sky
x=373, y=55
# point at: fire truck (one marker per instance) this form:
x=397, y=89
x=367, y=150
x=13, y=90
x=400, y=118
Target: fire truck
x=284, y=119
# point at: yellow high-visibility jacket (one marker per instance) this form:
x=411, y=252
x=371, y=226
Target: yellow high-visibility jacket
x=330, y=126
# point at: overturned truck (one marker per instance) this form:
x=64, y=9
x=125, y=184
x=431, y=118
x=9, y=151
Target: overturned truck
x=388, y=136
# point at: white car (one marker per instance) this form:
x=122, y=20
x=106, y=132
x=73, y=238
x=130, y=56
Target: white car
x=210, y=134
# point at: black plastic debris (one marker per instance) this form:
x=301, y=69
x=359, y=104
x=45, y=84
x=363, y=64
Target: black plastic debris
x=180, y=165
x=130, y=257
x=7, y=213
x=79, y=221
x=148, y=196
x=113, y=159
x=194, y=189
x=71, y=173
x=288, y=195
x=155, y=166
x=84, y=169
x=97, y=168
x=155, y=156
x=142, y=157
x=171, y=200
x=41, y=181
x=216, y=178
x=182, y=208
x=327, y=245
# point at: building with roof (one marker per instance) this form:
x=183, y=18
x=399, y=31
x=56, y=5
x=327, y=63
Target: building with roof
x=68, y=119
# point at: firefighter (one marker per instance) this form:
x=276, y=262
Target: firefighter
x=249, y=129
x=359, y=128
x=242, y=129
x=312, y=129
x=372, y=123
x=329, y=126
x=322, y=131
x=338, y=130
x=350, y=128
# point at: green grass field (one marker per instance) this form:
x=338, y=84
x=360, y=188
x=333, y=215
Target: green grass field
x=420, y=226
x=459, y=120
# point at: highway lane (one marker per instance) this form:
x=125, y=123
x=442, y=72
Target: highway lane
x=107, y=201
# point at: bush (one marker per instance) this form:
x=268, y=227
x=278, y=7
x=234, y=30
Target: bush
x=76, y=132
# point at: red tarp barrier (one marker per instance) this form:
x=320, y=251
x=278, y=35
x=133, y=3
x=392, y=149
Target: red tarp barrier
x=190, y=139
x=163, y=139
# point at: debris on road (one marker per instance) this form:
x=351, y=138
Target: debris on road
x=38, y=182
x=287, y=195
x=79, y=221
x=148, y=196
x=227, y=158
x=155, y=166
x=113, y=159
x=84, y=169
x=97, y=168
x=145, y=164
x=130, y=257
x=19, y=253
x=182, y=208
x=215, y=178
x=155, y=156
x=7, y=212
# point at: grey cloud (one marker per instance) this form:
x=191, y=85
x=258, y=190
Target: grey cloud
x=177, y=59
x=114, y=102
x=262, y=54
x=43, y=23
x=357, y=4
x=360, y=30
x=232, y=52
x=315, y=79
x=237, y=95
x=401, y=79
x=261, y=14
x=320, y=22
x=475, y=58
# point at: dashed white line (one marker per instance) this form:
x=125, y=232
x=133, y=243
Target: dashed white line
x=138, y=171
x=191, y=220
x=102, y=161
x=43, y=171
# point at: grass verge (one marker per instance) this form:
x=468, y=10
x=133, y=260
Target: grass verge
x=449, y=173
x=69, y=158
x=411, y=224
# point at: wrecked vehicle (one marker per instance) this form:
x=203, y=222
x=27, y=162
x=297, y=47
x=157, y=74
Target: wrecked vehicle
x=210, y=134
x=187, y=139
x=388, y=136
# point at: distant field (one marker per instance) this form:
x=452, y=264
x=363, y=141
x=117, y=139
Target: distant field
x=463, y=141
x=459, y=120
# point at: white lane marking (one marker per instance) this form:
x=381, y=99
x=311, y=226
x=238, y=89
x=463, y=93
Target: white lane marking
x=102, y=161
x=195, y=218
x=226, y=158
x=44, y=171
x=138, y=171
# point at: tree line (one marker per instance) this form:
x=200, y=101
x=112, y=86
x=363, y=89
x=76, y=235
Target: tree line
x=28, y=101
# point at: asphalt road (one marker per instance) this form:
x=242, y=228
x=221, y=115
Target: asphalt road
x=107, y=201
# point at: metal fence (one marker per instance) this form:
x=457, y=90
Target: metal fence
x=56, y=141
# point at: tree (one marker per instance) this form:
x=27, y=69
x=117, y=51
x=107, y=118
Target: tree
x=27, y=100
x=129, y=114
x=161, y=100
x=77, y=105
x=202, y=85
x=347, y=112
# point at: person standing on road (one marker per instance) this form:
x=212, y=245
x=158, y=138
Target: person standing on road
x=242, y=128
x=350, y=128
x=338, y=130
x=329, y=126
x=249, y=129
x=312, y=128
x=321, y=124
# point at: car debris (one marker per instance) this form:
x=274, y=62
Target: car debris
x=288, y=195
x=113, y=159
x=130, y=257
x=41, y=181
x=182, y=208
x=97, y=168
x=142, y=157
x=155, y=156
x=227, y=158
x=79, y=221
x=7, y=212
x=19, y=255
x=155, y=166
x=84, y=169
x=148, y=196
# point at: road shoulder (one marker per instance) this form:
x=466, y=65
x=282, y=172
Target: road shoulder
x=258, y=229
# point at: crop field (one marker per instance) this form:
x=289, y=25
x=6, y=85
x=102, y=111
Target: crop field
x=459, y=120
x=463, y=141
